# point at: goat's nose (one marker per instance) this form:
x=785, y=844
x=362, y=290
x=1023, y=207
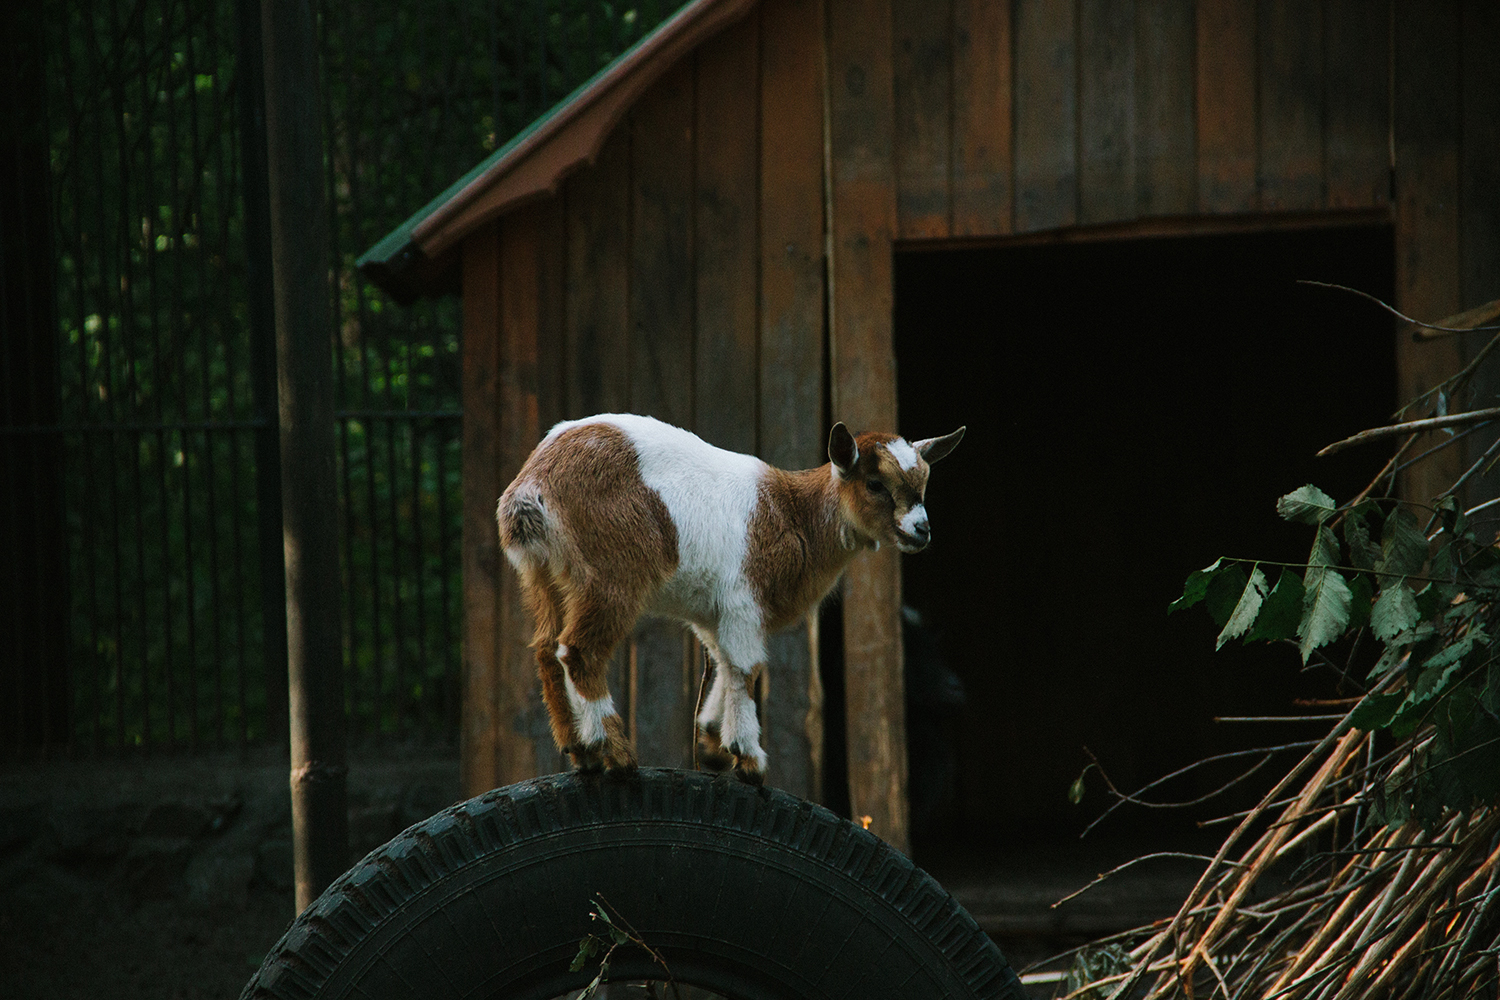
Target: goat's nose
x=921, y=530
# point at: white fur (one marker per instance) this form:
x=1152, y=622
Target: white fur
x=915, y=518
x=904, y=454
x=588, y=714
x=711, y=495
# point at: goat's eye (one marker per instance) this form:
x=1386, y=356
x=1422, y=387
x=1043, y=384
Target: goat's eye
x=875, y=486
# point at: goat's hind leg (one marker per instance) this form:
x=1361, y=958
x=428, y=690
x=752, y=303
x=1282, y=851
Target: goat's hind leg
x=542, y=599
x=595, y=624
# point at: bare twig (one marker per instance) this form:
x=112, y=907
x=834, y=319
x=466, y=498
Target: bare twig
x=1413, y=427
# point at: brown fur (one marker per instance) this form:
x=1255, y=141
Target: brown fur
x=592, y=543
x=620, y=532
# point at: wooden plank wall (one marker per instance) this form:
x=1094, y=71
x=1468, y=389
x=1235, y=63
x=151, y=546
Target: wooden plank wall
x=1016, y=116
x=683, y=273
x=679, y=276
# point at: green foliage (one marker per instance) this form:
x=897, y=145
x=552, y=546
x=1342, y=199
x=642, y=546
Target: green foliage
x=1427, y=602
x=158, y=402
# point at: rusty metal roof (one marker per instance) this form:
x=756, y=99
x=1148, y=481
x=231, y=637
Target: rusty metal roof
x=419, y=258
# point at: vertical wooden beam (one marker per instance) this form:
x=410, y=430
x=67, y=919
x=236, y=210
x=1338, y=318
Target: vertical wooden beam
x=663, y=679
x=1427, y=220
x=1290, y=54
x=1479, y=194
x=596, y=326
x=304, y=362
x=1046, y=115
x=1166, y=172
x=1357, y=96
x=726, y=137
x=1106, y=110
x=478, y=744
x=790, y=361
x=518, y=707
x=862, y=218
x=923, y=67
x=981, y=160
x=1226, y=95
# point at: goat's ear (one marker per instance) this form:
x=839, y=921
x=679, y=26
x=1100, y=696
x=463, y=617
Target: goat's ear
x=932, y=449
x=842, y=451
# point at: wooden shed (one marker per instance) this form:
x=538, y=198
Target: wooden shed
x=714, y=230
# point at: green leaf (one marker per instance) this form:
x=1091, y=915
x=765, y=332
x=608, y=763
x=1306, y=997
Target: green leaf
x=1360, y=599
x=1246, y=608
x=1075, y=791
x=1224, y=592
x=1306, y=504
x=1282, y=612
x=1395, y=611
x=1195, y=588
x=1403, y=548
x=587, y=949
x=1325, y=597
x=1376, y=711
x=1363, y=551
x=1433, y=599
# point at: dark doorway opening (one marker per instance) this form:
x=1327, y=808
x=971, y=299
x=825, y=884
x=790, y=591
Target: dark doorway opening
x=1134, y=408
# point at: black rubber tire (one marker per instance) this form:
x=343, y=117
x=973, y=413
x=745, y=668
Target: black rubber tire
x=748, y=892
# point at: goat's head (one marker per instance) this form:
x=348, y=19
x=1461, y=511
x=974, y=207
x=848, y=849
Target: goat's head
x=882, y=482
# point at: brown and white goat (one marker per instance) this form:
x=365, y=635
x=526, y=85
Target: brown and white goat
x=618, y=515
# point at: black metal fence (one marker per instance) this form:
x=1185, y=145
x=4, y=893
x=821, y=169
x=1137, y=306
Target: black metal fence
x=142, y=549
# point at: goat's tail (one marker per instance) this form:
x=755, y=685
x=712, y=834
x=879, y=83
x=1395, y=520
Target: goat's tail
x=525, y=526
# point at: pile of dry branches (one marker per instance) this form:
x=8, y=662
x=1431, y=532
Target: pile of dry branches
x=1324, y=891
x=1398, y=911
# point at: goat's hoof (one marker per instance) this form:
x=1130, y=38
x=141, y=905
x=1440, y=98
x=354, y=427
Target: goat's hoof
x=749, y=773
x=713, y=756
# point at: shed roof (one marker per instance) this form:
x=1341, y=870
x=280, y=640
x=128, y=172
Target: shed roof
x=418, y=258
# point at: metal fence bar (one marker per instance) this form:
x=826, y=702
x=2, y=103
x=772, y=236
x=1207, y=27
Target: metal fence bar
x=166, y=386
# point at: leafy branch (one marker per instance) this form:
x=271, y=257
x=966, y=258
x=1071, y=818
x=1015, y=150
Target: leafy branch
x=617, y=932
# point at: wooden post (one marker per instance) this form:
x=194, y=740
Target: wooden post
x=478, y=737
x=304, y=351
x=862, y=212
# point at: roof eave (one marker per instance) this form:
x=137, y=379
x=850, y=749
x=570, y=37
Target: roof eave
x=416, y=258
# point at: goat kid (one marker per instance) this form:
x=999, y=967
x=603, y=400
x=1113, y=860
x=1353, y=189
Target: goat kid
x=618, y=515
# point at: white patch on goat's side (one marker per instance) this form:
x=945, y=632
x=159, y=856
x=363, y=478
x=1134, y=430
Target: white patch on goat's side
x=711, y=494
x=914, y=519
x=588, y=714
x=904, y=454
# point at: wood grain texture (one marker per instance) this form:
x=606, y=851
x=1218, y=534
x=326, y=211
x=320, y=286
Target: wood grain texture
x=480, y=563
x=791, y=426
x=1226, y=106
x=725, y=238
x=661, y=368
x=863, y=377
x=981, y=191
x=1479, y=194
x=792, y=432
x=1046, y=115
x=1290, y=54
x=923, y=75
x=1357, y=98
x=1427, y=136
x=519, y=707
x=1166, y=174
x=596, y=323
x=1106, y=110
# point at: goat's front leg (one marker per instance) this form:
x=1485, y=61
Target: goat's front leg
x=743, y=651
x=711, y=753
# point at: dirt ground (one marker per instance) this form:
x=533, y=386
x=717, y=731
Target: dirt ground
x=63, y=938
